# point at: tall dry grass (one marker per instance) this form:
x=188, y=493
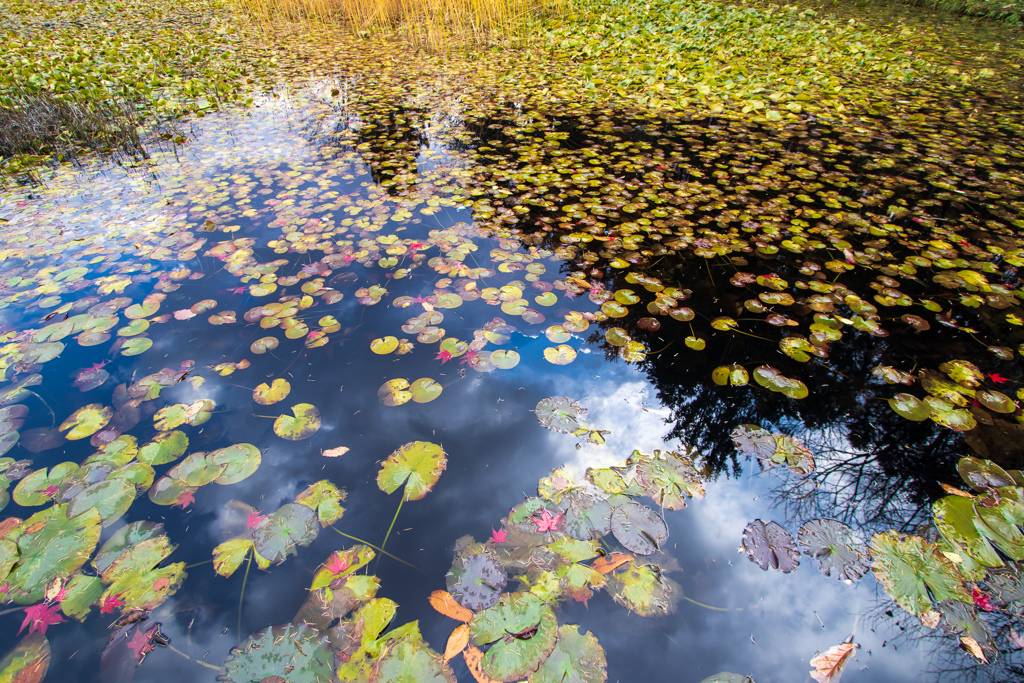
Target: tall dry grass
x=428, y=22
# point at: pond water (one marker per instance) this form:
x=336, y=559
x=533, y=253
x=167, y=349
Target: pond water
x=677, y=279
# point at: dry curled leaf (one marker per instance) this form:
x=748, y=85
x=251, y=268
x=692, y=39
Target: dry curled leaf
x=952, y=490
x=457, y=641
x=335, y=452
x=473, y=656
x=606, y=565
x=972, y=646
x=444, y=603
x=828, y=666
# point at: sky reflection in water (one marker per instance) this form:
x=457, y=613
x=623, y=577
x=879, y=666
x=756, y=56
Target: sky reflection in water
x=765, y=624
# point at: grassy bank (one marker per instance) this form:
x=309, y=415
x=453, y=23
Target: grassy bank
x=87, y=75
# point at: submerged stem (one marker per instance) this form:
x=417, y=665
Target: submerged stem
x=53, y=416
x=242, y=594
x=717, y=609
x=380, y=550
x=393, y=520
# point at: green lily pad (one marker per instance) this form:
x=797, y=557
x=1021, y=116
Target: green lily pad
x=292, y=525
x=305, y=423
x=947, y=415
x=170, y=491
x=639, y=528
x=173, y=416
x=238, y=462
x=476, y=580
x=54, y=550
x=197, y=469
x=324, y=497
x=504, y=359
x=425, y=390
x=575, y=659
x=86, y=421
x=560, y=414
x=28, y=661
x=82, y=592
x=297, y=654
x=958, y=522
x=417, y=464
x=912, y=571
x=164, y=448
x=111, y=498
x=836, y=547
x=135, y=346
x=521, y=631
x=394, y=392
x=228, y=556
x=668, y=477
x=408, y=658
x=268, y=394
x=41, y=353
x=124, y=538
x=644, y=589
x=982, y=475
x=910, y=407
x=735, y=375
x=996, y=401
x=40, y=487
x=136, y=577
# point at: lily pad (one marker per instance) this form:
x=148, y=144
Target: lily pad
x=267, y=394
x=668, y=477
x=418, y=465
x=86, y=421
x=644, y=589
x=297, y=654
x=587, y=516
x=290, y=526
x=394, y=392
x=913, y=571
x=56, y=549
x=425, y=390
x=563, y=354
x=123, y=539
x=639, y=528
x=560, y=414
x=139, y=577
x=237, y=462
x=408, y=658
x=111, y=498
x=836, y=547
x=576, y=659
x=28, y=661
x=305, y=423
x=164, y=448
x=521, y=631
x=769, y=545
x=476, y=580
x=910, y=407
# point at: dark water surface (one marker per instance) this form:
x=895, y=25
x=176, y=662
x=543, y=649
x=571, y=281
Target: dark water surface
x=322, y=187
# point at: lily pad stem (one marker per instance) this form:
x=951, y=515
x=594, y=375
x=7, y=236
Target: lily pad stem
x=197, y=661
x=380, y=550
x=393, y=520
x=241, y=596
x=198, y=564
x=717, y=609
x=53, y=416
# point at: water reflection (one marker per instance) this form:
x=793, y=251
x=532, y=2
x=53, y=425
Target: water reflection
x=314, y=207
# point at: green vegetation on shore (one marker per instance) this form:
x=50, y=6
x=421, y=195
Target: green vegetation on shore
x=74, y=66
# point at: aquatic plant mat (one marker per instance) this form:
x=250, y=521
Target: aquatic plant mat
x=434, y=366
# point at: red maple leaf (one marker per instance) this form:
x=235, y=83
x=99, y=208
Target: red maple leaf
x=337, y=564
x=997, y=378
x=110, y=603
x=38, y=617
x=469, y=358
x=546, y=521
x=416, y=245
x=61, y=594
x=254, y=520
x=5, y=587
x=185, y=499
x=444, y=356
x=498, y=536
x=142, y=642
x=982, y=600
x=50, y=491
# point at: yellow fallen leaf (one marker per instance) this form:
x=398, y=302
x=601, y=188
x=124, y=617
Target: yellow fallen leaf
x=444, y=603
x=828, y=666
x=473, y=655
x=336, y=452
x=457, y=641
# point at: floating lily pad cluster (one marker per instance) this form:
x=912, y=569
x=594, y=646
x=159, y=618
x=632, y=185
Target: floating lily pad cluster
x=272, y=538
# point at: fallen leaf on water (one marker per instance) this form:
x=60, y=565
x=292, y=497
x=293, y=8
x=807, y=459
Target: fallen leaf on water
x=444, y=603
x=457, y=641
x=971, y=645
x=606, y=565
x=473, y=657
x=335, y=452
x=828, y=666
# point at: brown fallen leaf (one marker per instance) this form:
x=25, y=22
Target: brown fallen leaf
x=828, y=666
x=335, y=452
x=444, y=603
x=955, y=491
x=473, y=656
x=610, y=563
x=971, y=645
x=457, y=641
